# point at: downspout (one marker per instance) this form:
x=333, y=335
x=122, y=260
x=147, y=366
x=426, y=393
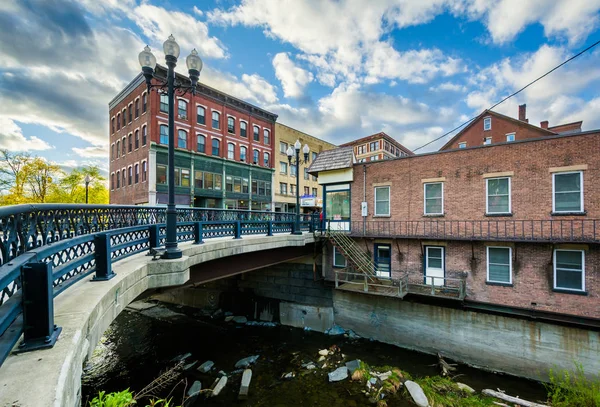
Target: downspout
x=364, y=196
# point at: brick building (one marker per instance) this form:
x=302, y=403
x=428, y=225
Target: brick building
x=491, y=127
x=223, y=151
x=377, y=147
x=516, y=224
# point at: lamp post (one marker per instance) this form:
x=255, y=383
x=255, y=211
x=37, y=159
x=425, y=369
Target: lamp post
x=194, y=65
x=88, y=179
x=290, y=154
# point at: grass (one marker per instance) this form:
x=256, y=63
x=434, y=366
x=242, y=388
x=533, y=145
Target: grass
x=444, y=392
x=124, y=399
x=573, y=389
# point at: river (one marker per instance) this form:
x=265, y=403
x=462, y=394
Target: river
x=139, y=346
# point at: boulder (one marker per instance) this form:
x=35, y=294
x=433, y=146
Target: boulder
x=195, y=389
x=338, y=374
x=416, y=392
x=335, y=330
x=465, y=388
x=219, y=386
x=245, y=386
x=240, y=320
x=246, y=361
x=353, y=365
x=206, y=366
x=323, y=352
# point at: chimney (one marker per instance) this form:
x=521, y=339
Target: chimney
x=523, y=113
x=544, y=124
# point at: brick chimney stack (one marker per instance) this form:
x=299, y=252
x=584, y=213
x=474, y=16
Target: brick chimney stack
x=544, y=124
x=523, y=113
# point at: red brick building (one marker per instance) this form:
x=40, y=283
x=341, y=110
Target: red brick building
x=223, y=155
x=492, y=128
x=378, y=146
x=517, y=223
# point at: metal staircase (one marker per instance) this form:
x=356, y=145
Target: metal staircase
x=354, y=254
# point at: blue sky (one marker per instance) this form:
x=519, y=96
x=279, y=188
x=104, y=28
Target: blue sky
x=337, y=70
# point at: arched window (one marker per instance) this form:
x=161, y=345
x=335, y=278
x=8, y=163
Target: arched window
x=137, y=108
x=137, y=139
x=130, y=139
x=112, y=181
x=243, y=127
x=118, y=179
x=200, y=115
x=231, y=125
x=164, y=134
x=230, y=151
x=124, y=150
x=144, y=136
x=164, y=103
x=216, y=120
x=256, y=133
x=144, y=171
x=243, y=152
x=182, y=109
x=144, y=102
x=130, y=175
x=201, y=144
x=256, y=155
x=124, y=117
x=266, y=159
x=181, y=139
x=118, y=121
x=112, y=125
x=123, y=178
x=112, y=152
x=130, y=113
x=137, y=173
x=118, y=148
x=266, y=137
x=216, y=147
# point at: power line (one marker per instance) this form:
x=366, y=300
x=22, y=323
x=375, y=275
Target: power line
x=513, y=94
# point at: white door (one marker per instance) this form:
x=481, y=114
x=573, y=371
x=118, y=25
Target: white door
x=434, y=265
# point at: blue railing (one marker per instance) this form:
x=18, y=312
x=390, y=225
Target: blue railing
x=70, y=242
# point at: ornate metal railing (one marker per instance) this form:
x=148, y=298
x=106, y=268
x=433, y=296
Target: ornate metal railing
x=66, y=243
x=571, y=230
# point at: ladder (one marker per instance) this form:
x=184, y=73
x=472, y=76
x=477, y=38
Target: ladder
x=353, y=254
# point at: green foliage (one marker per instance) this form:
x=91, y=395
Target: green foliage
x=443, y=391
x=573, y=389
x=117, y=399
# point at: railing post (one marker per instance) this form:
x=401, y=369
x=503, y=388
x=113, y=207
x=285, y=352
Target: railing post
x=198, y=233
x=336, y=278
x=102, y=256
x=270, y=228
x=154, y=236
x=366, y=287
x=432, y=285
x=38, y=307
x=238, y=230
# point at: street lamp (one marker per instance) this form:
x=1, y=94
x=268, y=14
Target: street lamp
x=298, y=162
x=194, y=65
x=88, y=179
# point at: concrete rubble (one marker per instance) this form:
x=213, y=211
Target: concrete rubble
x=195, y=389
x=245, y=386
x=245, y=362
x=338, y=374
x=416, y=392
x=219, y=386
x=240, y=320
x=206, y=366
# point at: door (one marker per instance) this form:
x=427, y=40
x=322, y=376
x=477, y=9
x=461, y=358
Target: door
x=383, y=260
x=434, y=265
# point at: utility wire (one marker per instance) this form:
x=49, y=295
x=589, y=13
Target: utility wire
x=513, y=94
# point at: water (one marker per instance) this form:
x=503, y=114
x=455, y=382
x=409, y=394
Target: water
x=137, y=348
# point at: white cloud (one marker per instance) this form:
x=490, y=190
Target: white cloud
x=91, y=152
x=251, y=88
x=449, y=87
x=12, y=138
x=293, y=78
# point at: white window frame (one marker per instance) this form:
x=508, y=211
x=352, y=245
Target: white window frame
x=487, y=123
x=513, y=135
x=425, y=198
x=335, y=251
x=582, y=270
x=487, y=195
x=462, y=144
x=487, y=141
x=510, y=264
x=375, y=200
x=581, y=208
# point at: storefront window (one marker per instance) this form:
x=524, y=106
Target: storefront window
x=338, y=205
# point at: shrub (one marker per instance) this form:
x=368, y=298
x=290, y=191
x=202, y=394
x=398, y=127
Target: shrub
x=573, y=389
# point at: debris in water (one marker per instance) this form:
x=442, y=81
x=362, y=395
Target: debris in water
x=245, y=386
x=338, y=374
x=206, y=366
x=245, y=362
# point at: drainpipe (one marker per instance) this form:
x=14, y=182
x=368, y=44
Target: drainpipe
x=364, y=195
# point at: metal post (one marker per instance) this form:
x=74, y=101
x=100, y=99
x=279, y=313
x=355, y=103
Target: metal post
x=154, y=236
x=297, y=230
x=86, y=191
x=270, y=232
x=38, y=307
x=102, y=256
x=172, y=251
x=198, y=233
x=238, y=230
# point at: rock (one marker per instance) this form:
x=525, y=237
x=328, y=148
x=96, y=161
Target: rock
x=190, y=366
x=240, y=320
x=353, y=335
x=357, y=375
x=465, y=388
x=181, y=358
x=195, y=389
x=245, y=386
x=321, y=358
x=382, y=376
x=229, y=318
x=289, y=375
x=323, y=352
x=335, y=330
x=206, y=366
x=373, y=380
x=222, y=373
x=247, y=361
x=353, y=365
x=338, y=374
x=220, y=386
x=260, y=323
x=309, y=366
x=416, y=393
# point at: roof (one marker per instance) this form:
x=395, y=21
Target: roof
x=566, y=127
x=381, y=134
x=500, y=116
x=336, y=159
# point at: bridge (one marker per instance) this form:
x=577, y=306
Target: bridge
x=99, y=255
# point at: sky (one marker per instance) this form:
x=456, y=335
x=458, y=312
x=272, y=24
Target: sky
x=337, y=70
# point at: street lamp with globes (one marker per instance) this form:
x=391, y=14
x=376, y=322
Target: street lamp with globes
x=87, y=180
x=297, y=163
x=194, y=65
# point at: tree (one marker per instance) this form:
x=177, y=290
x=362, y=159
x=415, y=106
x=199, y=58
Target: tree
x=12, y=179
x=39, y=176
x=71, y=188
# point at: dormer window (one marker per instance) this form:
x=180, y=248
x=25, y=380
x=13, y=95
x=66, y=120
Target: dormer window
x=487, y=124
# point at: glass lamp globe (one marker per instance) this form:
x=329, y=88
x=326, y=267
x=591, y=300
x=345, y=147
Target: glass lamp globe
x=171, y=47
x=193, y=61
x=297, y=145
x=147, y=58
x=306, y=150
x=290, y=152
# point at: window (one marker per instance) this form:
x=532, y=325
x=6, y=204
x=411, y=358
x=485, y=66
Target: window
x=124, y=177
x=243, y=129
x=118, y=148
x=182, y=139
x=283, y=188
x=256, y=133
x=118, y=121
x=338, y=259
x=185, y=177
x=137, y=108
x=112, y=125
x=374, y=158
x=137, y=139
x=499, y=265
x=199, y=179
x=314, y=156
x=164, y=134
x=144, y=136
x=112, y=181
x=487, y=124
x=230, y=151
x=201, y=143
x=283, y=167
x=510, y=137
x=144, y=102
x=382, y=201
x=569, y=266
x=243, y=152
x=434, y=198
x=164, y=103
x=374, y=146
x=266, y=159
x=144, y=171
x=118, y=179
x=567, y=188
x=112, y=151
x=230, y=125
x=216, y=147
x=124, y=116
x=130, y=142
x=487, y=141
x=124, y=149
x=200, y=115
x=255, y=156
x=177, y=176
x=292, y=189
x=314, y=178
x=462, y=144
x=244, y=185
x=130, y=170
x=266, y=137
x=314, y=192
x=338, y=205
x=306, y=191
x=283, y=147
x=306, y=176
x=130, y=113
x=292, y=170
x=229, y=183
x=216, y=120
x=498, y=195
x=362, y=149
x=137, y=173
x=182, y=109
